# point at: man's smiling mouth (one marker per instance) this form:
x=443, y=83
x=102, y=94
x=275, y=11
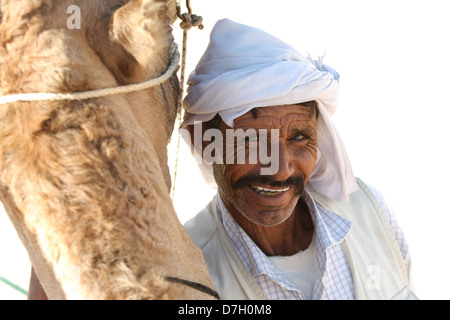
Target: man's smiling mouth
x=269, y=192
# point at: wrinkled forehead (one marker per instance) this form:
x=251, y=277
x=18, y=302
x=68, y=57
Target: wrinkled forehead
x=277, y=115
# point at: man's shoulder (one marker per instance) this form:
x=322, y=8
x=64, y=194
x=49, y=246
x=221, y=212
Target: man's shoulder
x=203, y=226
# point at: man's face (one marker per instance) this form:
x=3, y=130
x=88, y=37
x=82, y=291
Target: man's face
x=268, y=200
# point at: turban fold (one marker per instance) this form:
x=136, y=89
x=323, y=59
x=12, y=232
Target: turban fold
x=243, y=68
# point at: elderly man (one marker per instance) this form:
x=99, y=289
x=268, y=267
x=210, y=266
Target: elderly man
x=308, y=229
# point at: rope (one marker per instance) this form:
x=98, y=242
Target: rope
x=195, y=285
x=14, y=286
x=21, y=97
x=188, y=20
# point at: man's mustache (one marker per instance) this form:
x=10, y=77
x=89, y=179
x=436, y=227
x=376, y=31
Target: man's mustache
x=293, y=181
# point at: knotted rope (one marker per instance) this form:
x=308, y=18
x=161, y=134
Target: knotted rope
x=188, y=21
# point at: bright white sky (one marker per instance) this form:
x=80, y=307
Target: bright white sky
x=393, y=58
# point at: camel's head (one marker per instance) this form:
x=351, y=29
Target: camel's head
x=83, y=180
x=80, y=45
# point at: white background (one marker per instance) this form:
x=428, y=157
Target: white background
x=393, y=58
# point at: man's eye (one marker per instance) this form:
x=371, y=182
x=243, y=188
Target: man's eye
x=298, y=137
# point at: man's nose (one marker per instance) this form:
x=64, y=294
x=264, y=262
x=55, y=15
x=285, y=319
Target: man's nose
x=285, y=163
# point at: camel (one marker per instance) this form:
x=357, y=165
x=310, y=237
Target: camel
x=86, y=182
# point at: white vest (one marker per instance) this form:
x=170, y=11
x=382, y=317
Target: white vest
x=370, y=247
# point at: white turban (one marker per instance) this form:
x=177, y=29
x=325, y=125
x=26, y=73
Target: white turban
x=244, y=68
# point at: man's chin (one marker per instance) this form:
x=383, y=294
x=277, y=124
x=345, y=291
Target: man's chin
x=268, y=210
x=268, y=219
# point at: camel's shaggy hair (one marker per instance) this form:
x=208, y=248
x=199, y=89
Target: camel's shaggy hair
x=86, y=183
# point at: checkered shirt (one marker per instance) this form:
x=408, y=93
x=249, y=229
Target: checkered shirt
x=333, y=280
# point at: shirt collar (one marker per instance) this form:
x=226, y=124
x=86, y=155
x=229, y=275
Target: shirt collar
x=331, y=228
x=251, y=255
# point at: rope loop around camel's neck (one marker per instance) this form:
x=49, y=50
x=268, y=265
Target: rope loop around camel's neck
x=44, y=96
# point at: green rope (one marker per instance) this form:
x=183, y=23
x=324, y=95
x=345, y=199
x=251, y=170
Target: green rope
x=14, y=286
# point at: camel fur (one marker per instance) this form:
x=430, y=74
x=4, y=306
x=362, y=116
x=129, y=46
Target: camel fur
x=86, y=183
